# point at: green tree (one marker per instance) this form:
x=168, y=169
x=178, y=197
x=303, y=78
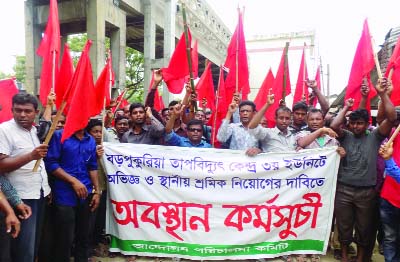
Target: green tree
x=19, y=68
x=134, y=66
x=134, y=75
x=4, y=75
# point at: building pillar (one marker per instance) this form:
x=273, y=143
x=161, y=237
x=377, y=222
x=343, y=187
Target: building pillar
x=118, y=46
x=96, y=26
x=32, y=40
x=149, y=43
x=169, y=40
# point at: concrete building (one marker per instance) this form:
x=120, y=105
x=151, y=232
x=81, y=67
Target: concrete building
x=149, y=26
x=265, y=51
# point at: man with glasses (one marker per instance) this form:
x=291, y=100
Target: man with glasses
x=194, y=131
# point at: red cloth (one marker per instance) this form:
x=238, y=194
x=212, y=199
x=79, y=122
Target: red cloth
x=262, y=94
x=121, y=98
x=390, y=189
x=221, y=109
x=82, y=95
x=394, y=64
x=277, y=89
x=237, y=40
x=205, y=88
x=7, y=89
x=363, y=63
x=178, y=68
x=158, y=101
x=65, y=76
x=103, y=88
x=48, y=47
x=318, y=80
x=301, y=87
x=195, y=59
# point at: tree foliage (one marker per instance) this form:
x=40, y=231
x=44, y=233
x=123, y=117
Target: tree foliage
x=134, y=66
x=19, y=68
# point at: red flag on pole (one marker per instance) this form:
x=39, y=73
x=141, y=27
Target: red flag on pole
x=221, y=109
x=363, y=63
x=263, y=92
x=237, y=45
x=49, y=50
x=318, y=80
x=277, y=89
x=103, y=88
x=178, y=68
x=65, y=75
x=7, y=89
x=158, y=102
x=82, y=95
x=301, y=87
x=205, y=88
x=394, y=66
x=195, y=59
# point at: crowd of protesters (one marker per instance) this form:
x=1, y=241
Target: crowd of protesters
x=69, y=189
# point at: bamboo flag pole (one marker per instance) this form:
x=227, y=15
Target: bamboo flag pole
x=394, y=135
x=378, y=66
x=122, y=97
x=216, y=109
x=237, y=53
x=188, y=52
x=53, y=72
x=51, y=132
x=105, y=100
x=304, y=73
x=285, y=72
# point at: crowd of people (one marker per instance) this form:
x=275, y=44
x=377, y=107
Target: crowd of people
x=59, y=211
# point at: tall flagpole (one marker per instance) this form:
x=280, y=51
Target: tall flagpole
x=188, y=52
x=304, y=73
x=216, y=108
x=237, y=52
x=285, y=72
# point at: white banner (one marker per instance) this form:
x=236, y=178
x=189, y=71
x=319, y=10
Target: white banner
x=216, y=204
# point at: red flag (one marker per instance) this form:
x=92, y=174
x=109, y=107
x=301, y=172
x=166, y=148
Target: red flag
x=263, y=92
x=65, y=75
x=277, y=89
x=363, y=63
x=121, y=100
x=82, y=95
x=205, y=88
x=195, y=59
x=318, y=80
x=7, y=89
x=49, y=50
x=158, y=101
x=222, y=108
x=394, y=65
x=301, y=87
x=103, y=88
x=178, y=67
x=237, y=45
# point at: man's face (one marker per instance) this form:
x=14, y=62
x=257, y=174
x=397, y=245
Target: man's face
x=60, y=123
x=96, y=133
x=126, y=111
x=299, y=117
x=315, y=121
x=121, y=126
x=138, y=116
x=282, y=120
x=208, y=116
x=24, y=115
x=194, y=133
x=200, y=116
x=246, y=113
x=165, y=115
x=358, y=127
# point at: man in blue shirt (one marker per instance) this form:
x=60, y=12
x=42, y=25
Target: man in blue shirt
x=75, y=192
x=194, y=131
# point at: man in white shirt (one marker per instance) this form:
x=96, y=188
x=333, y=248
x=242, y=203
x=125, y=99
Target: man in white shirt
x=19, y=149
